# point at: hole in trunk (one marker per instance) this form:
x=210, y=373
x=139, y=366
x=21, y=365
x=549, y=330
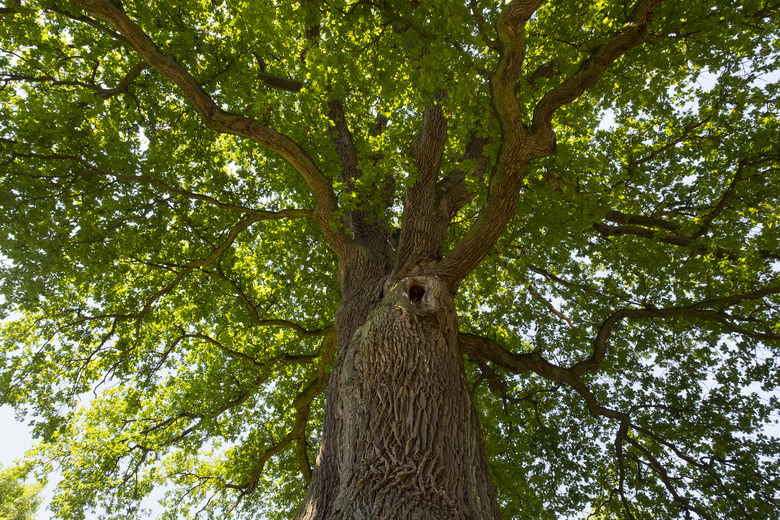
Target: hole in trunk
x=416, y=293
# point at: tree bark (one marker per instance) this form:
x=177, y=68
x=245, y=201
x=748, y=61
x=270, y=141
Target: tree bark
x=401, y=438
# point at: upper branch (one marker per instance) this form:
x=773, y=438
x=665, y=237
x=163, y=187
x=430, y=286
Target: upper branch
x=511, y=37
x=342, y=139
x=452, y=188
x=519, y=144
x=477, y=13
x=100, y=92
x=515, y=152
x=634, y=33
x=91, y=169
x=220, y=120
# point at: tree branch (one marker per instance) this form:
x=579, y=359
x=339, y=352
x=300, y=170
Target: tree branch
x=350, y=171
x=169, y=188
x=485, y=348
x=697, y=310
x=132, y=74
x=452, y=189
x=289, y=85
x=301, y=405
x=192, y=266
x=92, y=22
x=220, y=120
x=516, y=150
x=666, y=479
x=422, y=225
x=477, y=13
x=634, y=33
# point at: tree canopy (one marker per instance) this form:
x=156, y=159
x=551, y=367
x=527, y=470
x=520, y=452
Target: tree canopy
x=182, y=182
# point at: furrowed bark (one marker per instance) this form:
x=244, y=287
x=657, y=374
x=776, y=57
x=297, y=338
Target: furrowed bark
x=402, y=438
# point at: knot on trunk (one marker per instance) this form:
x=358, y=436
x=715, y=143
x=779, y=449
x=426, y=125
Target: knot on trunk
x=416, y=293
x=420, y=295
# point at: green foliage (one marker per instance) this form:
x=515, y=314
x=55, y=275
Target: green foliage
x=170, y=298
x=18, y=501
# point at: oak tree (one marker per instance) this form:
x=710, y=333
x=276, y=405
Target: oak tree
x=382, y=259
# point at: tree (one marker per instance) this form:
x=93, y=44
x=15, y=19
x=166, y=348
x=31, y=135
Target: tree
x=18, y=501
x=374, y=259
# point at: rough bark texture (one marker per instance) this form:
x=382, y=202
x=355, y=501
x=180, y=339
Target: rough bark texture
x=401, y=437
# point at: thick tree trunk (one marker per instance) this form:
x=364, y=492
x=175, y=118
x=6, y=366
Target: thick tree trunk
x=401, y=439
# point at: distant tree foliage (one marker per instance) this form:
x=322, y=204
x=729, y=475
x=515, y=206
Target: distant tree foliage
x=340, y=259
x=18, y=501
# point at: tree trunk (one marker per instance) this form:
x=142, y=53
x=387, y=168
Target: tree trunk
x=401, y=438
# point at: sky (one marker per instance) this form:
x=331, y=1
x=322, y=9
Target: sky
x=14, y=437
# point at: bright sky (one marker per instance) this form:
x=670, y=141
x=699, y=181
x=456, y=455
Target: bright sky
x=14, y=437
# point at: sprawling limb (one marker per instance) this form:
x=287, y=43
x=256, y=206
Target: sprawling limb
x=521, y=144
x=217, y=119
x=711, y=310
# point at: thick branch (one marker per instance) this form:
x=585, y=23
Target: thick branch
x=342, y=139
x=608, y=230
x=289, y=85
x=485, y=348
x=423, y=227
x=452, y=189
x=634, y=33
x=217, y=119
x=511, y=37
x=488, y=349
x=516, y=151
